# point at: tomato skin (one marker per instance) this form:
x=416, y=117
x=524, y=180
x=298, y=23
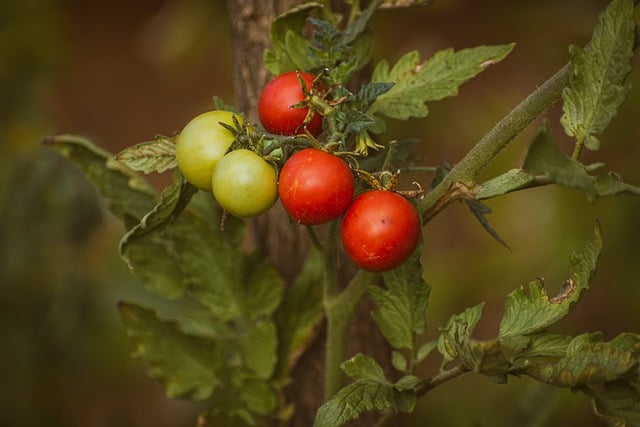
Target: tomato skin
x=244, y=184
x=315, y=187
x=380, y=230
x=276, y=99
x=201, y=144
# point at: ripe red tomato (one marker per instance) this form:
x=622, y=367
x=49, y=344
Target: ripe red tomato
x=380, y=230
x=315, y=187
x=274, y=105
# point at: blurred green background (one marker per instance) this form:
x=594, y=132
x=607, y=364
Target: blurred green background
x=120, y=72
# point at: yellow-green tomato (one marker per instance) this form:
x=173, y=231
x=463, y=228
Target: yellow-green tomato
x=201, y=144
x=244, y=184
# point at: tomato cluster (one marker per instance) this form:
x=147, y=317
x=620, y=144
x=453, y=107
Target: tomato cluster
x=379, y=230
x=242, y=182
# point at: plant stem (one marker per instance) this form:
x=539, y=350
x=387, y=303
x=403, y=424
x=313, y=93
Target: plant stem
x=339, y=310
x=467, y=170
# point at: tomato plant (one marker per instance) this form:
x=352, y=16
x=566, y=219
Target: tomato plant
x=202, y=143
x=241, y=321
x=244, y=183
x=380, y=230
x=315, y=187
x=277, y=105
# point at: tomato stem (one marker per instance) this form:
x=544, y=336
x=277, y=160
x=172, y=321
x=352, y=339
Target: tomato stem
x=340, y=310
x=466, y=172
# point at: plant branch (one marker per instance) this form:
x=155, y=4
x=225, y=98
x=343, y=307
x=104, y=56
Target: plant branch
x=487, y=149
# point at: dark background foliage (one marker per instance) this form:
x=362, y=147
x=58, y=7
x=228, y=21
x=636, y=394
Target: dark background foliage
x=121, y=72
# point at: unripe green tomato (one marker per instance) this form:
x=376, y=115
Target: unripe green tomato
x=244, y=184
x=201, y=144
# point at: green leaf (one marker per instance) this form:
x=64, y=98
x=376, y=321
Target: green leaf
x=398, y=361
x=189, y=256
x=289, y=48
x=512, y=180
x=457, y=332
x=259, y=348
x=359, y=25
x=542, y=345
x=402, y=306
x=362, y=367
x=544, y=157
x=408, y=382
x=611, y=184
x=173, y=200
x=300, y=313
x=590, y=360
x=598, y=82
x=129, y=196
x=262, y=291
x=258, y=397
x=425, y=350
x=530, y=310
x=437, y=78
x=617, y=402
x=157, y=156
x=363, y=396
x=185, y=365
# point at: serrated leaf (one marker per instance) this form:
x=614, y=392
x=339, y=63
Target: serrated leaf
x=128, y=194
x=529, y=310
x=402, y=305
x=300, y=313
x=362, y=367
x=363, y=396
x=359, y=25
x=545, y=157
x=185, y=365
x=357, y=121
x=370, y=92
x=189, y=256
x=259, y=349
x=512, y=180
x=157, y=156
x=617, y=403
x=543, y=345
x=599, y=73
x=173, y=200
x=457, y=332
x=289, y=48
x=590, y=360
x=437, y=78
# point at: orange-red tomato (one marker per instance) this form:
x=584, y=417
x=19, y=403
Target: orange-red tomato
x=380, y=230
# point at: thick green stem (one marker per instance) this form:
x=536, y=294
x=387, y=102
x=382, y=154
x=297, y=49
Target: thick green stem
x=339, y=310
x=487, y=149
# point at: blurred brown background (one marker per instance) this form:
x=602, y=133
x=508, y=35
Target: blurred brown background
x=120, y=72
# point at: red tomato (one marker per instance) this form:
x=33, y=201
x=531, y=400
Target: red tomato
x=274, y=105
x=380, y=230
x=315, y=187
